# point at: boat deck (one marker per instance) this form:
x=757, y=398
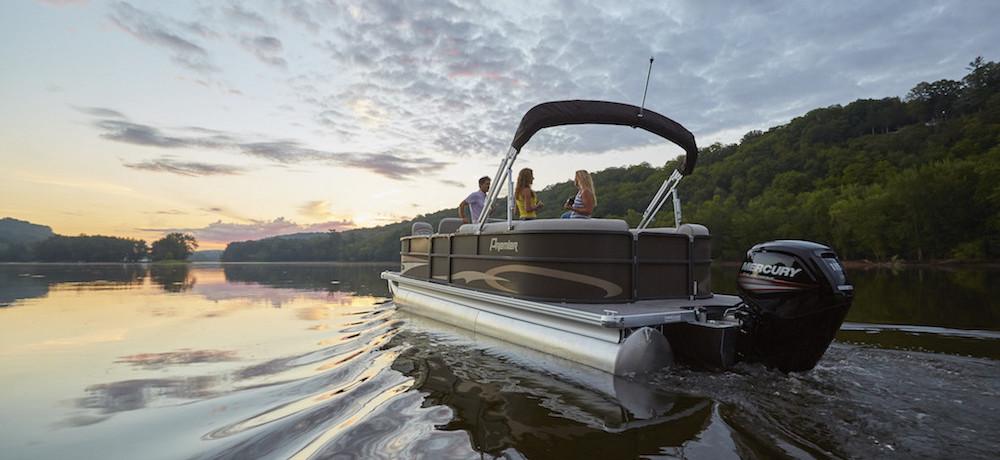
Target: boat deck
x=648, y=312
x=611, y=315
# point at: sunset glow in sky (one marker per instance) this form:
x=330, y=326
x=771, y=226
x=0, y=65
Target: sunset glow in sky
x=239, y=120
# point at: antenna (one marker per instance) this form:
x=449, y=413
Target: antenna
x=648, y=73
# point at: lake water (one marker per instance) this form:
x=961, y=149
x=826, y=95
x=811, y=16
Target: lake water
x=312, y=361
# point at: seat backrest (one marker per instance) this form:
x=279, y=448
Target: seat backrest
x=693, y=230
x=421, y=229
x=449, y=225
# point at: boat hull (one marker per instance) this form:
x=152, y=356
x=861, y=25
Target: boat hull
x=620, y=344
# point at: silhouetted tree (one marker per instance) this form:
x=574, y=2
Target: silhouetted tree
x=174, y=246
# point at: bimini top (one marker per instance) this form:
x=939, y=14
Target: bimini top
x=581, y=112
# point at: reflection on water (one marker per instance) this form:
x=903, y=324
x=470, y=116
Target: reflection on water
x=510, y=399
x=360, y=279
x=309, y=361
x=183, y=356
x=172, y=278
x=26, y=281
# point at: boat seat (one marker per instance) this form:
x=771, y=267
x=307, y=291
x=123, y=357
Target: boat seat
x=693, y=230
x=551, y=225
x=449, y=225
x=421, y=229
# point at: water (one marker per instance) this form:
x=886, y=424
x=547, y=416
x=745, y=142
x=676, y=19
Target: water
x=311, y=361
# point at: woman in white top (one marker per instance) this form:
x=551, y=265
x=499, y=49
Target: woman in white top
x=585, y=200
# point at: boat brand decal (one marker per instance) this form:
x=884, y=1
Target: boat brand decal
x=498, y=246
x=775, y=270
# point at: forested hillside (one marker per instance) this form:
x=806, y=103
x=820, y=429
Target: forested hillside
x=18, y=236
x=365, y=244
x=916, y=178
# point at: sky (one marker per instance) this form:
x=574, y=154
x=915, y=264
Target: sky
x=240, y=120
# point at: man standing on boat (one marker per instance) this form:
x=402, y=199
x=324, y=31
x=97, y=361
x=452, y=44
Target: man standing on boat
x=476, y=201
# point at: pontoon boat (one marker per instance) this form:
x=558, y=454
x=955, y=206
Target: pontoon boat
x=623, y=300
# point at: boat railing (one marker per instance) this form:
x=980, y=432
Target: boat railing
x=667, y=190
x=503, y=172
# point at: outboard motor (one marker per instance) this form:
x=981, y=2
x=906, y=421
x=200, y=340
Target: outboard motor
x=797, y=297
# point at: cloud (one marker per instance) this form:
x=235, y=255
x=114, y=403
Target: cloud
x=299, y=11
x=393, y=84
x=185, y=168
x=318, y=209
x=100, y=112
x=168, y=212
x=243, y=16
x=390, y=164
x=393, y=166
x=222, y=232
x=265, y=48
x=134, y=133
x=63, y=2
x=283, y=151
x=455, y=78
x=227, y=213
x=172, y=35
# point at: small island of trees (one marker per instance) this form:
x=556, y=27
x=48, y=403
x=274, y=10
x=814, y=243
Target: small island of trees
x=174, y=246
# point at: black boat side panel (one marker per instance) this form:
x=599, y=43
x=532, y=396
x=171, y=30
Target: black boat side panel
x=565, y=266
x=670, y=264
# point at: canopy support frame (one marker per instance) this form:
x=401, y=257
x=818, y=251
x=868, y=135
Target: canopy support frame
x=667, y=189
x=503, y=173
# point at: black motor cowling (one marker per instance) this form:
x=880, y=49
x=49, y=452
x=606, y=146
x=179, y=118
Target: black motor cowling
x=797, y=297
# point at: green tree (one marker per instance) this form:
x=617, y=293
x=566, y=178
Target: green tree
x=174, y=246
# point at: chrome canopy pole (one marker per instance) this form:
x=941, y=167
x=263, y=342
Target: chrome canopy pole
x=498, y=178
x=668, y=187
x=510, y=197
x=677, y=217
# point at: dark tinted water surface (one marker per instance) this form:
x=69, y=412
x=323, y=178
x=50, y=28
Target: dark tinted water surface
x=311, y=361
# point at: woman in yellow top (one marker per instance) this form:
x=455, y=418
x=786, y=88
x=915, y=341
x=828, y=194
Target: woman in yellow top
x=524, y=197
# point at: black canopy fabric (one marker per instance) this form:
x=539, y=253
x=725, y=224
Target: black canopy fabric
x=580, y=112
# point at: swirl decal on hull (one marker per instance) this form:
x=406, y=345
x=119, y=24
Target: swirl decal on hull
x=407, y=266
x=491, y=278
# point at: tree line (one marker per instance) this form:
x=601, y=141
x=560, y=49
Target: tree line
x=916, y=178
x=368, y=244
x=99, y=248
